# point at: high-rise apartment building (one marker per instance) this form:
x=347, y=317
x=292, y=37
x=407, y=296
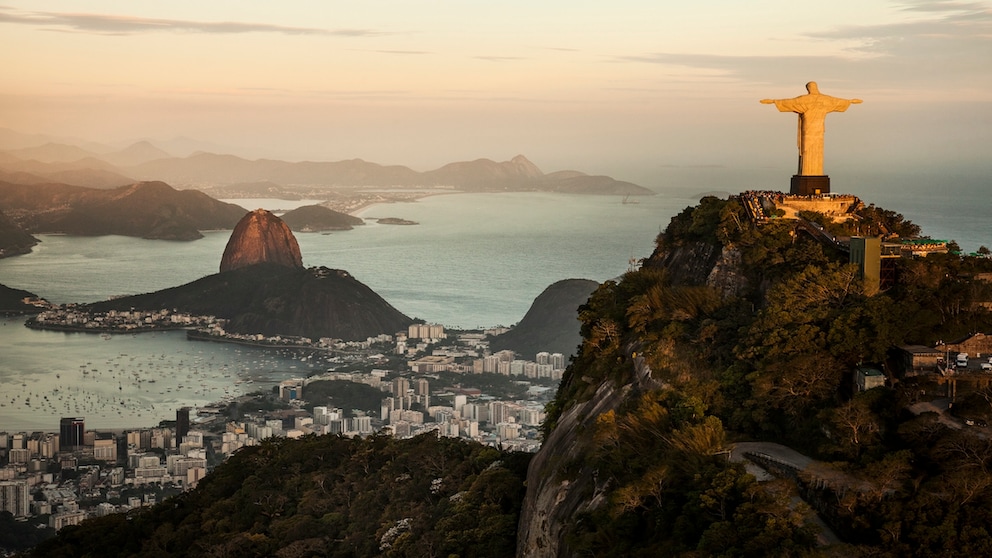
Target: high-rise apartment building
x=14, y=497
x=71, y=433
x=182, y=424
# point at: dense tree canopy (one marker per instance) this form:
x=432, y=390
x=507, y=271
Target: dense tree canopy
x=773, y=360
x=327, y=496
x=776, y=362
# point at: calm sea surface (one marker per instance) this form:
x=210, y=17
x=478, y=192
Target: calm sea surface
x=473, y=260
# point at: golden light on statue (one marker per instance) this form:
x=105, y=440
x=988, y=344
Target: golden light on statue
x=812, y=109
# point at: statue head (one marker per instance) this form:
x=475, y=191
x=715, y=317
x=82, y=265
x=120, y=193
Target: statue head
x=812, y=88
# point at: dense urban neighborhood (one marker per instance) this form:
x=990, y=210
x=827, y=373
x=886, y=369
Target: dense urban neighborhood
x=422, y=380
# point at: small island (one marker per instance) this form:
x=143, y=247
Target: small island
x=395, y=221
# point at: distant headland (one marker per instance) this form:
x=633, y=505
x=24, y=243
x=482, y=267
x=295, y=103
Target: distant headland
x=146, y=192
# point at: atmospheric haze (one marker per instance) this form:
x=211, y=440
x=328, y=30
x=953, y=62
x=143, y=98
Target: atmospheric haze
x=628, y=88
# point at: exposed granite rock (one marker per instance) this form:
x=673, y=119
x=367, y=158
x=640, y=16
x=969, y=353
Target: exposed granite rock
x=554, y=499
x=726, y=276
x=689, y=263
x=263, y=288
x=261, y=237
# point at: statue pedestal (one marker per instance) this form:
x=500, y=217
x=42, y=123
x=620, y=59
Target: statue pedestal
x=809, y=185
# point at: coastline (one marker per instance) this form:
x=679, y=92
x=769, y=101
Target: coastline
x=31, y=324
x=376, y=199
x=196, y=335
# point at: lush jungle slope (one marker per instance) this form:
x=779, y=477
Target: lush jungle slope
x=680, y=359
x=728, y=333
x=326, y=496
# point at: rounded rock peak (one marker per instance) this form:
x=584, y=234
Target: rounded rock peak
x=261, y=237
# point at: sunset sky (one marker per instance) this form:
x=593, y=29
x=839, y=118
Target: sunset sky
x=605, y=87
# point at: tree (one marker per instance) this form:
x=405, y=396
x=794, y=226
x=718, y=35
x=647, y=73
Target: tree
x=797, y=384
x=854, y=427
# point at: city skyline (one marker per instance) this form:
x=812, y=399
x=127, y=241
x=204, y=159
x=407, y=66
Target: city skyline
x=626, y=90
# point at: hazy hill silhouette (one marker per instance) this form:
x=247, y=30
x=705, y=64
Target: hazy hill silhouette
x=13, y=239
x=319, y=218
x=88, y=172
x=550, y=323
x=152, y=210
x=145, y=161
x=135, y=154
x=480, y=175
x=52, y=153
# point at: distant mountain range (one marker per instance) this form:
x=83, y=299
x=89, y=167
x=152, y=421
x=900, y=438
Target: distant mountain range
x=53, y=185
x=54, y=161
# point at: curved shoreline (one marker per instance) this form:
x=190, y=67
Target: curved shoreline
x=194, y=335
x=32, y=324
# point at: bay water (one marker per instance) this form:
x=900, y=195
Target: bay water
x=473, y=260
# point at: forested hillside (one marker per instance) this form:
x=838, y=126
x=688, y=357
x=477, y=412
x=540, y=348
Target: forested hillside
x=761, y=344
x=729, y=333
x=326, y=496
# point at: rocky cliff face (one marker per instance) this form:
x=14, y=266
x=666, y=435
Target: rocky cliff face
x=688, y=263
x=261, y=237
x=263, y=288
x=555, y=497
x=560, y=483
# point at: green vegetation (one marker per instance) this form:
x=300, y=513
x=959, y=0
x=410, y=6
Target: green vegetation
x=327, y=496
x=343, y=394
x=497, y=385
x=765, y=353
x=775, y=363
x=22, y=535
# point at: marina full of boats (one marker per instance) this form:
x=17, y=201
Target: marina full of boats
x=126, y=380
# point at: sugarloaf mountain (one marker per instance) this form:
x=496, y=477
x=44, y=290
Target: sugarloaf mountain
x=264, y=288
x=260, y=237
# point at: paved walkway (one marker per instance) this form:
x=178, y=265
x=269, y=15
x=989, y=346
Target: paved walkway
x=940, y=407
x=798, y=461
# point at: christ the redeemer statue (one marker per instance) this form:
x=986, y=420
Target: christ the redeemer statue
x=812, y=110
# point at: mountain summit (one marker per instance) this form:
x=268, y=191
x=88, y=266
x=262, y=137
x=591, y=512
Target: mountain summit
x=261, y=237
